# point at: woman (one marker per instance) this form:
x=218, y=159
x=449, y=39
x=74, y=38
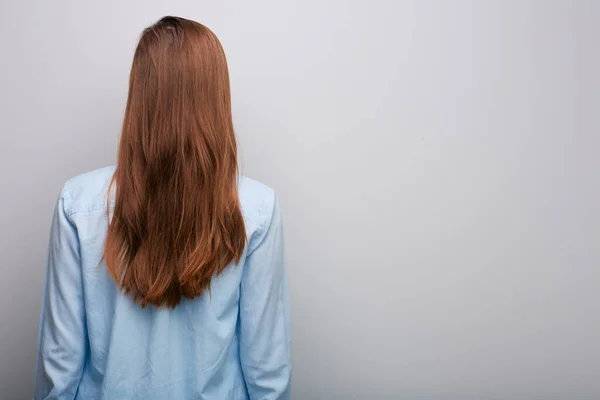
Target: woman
x=165, y=274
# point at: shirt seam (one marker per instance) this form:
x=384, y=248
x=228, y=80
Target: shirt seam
x=87, y=209
x=265, y=224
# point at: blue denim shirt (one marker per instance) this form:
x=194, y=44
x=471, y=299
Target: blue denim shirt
x=95, y=343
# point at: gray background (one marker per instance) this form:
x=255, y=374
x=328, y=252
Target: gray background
x=437, y=164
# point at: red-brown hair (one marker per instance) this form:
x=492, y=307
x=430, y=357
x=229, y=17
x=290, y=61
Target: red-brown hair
x=176, y=221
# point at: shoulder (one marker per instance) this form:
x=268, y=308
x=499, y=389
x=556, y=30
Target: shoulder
x=258, y=202
x=87, y=191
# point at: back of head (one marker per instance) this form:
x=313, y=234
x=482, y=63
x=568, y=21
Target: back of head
x=177, y=220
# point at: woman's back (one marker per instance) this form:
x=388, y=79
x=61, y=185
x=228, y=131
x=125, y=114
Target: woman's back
x=165, y=274
x=96, y=343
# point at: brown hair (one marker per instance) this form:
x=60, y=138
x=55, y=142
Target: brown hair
x=177, y=220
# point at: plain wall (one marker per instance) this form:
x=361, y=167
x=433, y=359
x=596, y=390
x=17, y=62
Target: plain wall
x=437, y=164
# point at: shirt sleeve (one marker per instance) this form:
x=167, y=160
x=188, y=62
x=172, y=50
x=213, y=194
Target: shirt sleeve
x=265, y=332
x=62, y=335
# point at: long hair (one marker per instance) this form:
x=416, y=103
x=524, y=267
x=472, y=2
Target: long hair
x=177, y=220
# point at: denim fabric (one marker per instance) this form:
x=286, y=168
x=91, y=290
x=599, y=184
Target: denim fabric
x=95, y=343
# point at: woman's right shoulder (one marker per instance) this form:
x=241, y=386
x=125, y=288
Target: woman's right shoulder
x=258, y=203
